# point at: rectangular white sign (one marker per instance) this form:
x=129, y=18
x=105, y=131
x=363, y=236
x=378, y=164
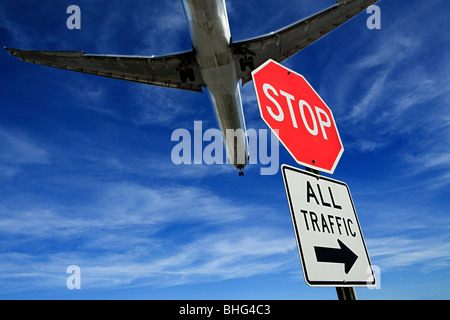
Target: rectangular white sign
x=330, y=242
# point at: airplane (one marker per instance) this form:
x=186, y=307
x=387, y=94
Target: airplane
x=215, y=62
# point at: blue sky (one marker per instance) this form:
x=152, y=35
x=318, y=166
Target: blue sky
x=86, y=176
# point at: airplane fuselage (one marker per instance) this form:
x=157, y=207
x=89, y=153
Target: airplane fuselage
x=211, y=38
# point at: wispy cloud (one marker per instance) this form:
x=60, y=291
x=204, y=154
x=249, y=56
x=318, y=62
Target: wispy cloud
x=388, y=90
x=154, y=30
x=17, y=148
x=399, y=252
x=116, y=239
x=165, y=107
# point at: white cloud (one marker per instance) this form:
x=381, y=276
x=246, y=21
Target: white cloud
x=399, y=252
x=365, y=145
x=369, y=101
x=391, y=91
x=166, y=107
x=17, y=148
x=130, y=234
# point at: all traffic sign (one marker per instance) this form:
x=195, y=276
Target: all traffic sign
x=298, y=116
x=329, y=238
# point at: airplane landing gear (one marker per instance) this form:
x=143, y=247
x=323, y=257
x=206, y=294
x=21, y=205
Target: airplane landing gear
x=246, y=62
x=187, y=74
x=241, y=173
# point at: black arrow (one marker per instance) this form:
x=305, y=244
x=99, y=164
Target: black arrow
x=342, y=255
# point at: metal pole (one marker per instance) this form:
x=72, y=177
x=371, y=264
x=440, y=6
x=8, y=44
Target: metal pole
x=346, y=293
x=343, y=293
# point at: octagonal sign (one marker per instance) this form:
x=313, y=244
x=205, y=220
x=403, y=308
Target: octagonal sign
x=297, y=116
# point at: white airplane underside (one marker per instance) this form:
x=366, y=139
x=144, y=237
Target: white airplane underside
x=215, y=62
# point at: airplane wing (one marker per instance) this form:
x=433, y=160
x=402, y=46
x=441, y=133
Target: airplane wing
x=179, y=71
x=282, y=44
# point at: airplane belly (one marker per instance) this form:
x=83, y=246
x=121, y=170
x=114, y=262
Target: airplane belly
x=210, y=32
x=226, y=99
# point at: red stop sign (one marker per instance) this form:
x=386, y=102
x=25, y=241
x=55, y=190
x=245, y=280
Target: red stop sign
x=298, y=116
